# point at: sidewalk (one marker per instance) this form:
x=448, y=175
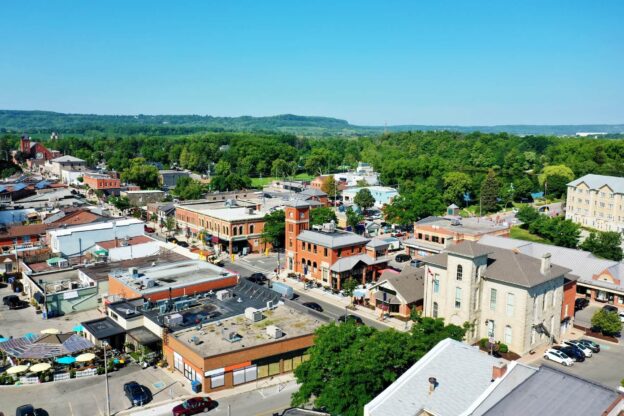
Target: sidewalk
x=153, y=409
x=342, y=302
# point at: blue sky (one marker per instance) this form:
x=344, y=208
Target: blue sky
x=400, y=62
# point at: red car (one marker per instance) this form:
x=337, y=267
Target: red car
x=193, y=406
x=149, y=229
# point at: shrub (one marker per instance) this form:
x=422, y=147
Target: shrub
x=606, y=322
x=129, y=346
x=72, y=373
x=100, y=370
x=483, y=343
x=503, y=348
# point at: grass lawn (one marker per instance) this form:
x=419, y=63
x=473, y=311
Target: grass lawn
x=260, y=182
x=522, y=234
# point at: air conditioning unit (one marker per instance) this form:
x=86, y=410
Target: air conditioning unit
x=253, y=314
x=274, y=332
x=224, y=294
x=133, y=272
x=270, y=305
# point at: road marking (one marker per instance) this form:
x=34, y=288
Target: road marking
x=71, y=410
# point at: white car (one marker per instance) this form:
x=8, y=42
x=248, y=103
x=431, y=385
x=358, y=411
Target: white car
x=574, y=343
x=558, y=357
x=621, y=314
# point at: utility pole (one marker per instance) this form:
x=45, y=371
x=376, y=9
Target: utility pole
x=105, y=344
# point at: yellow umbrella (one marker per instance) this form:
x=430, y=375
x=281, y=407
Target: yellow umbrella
x=41, y=367
x=83, y=358
x=17, y=369
x=52, y=331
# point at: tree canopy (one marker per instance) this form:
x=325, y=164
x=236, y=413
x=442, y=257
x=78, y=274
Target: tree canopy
x=364, y=199
x=141, y=174
x=274, y=228
x=350, y=364
x=322, y=215
x=607, y=245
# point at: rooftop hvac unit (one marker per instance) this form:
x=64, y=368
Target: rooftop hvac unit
x=174, y=319
x=224, y=294
x=133, y=272
x=270, y=305
x=253, y=314
x=149, y=282
x=274, y=332
x=232, y=336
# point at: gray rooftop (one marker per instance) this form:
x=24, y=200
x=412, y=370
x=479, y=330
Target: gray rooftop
x=102, y=327
x=409, y=284
x=462, y=372
x=335, y=239
x=598, y=181
x=348, y=263
x=313, y=192
x=582, y=263
x=471, y=226
x=469, y=249
x=67, y=159
x=552, y=392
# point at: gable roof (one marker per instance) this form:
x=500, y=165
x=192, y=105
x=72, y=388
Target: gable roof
x=313, y=192
x=553, y=392
x=409, y=283
x=67, y=158
x=462, y=372
x=349, y=262
x=469, y=249
x=598, y=181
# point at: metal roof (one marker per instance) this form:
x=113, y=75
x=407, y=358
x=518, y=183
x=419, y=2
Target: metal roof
x=598, y=181
x=335, y=239
x=46, y=346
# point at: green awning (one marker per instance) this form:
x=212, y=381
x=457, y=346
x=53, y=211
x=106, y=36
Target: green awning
x=101, y=252
x=55, y=260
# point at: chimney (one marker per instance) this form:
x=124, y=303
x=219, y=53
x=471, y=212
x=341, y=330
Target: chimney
x=433, y=383
x=499, y=370
x=545, y=267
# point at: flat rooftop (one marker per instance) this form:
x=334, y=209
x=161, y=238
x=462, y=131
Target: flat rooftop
x=101, y=271
x=133, y=241
x=473, y=226
x=171, y=275
x=95, y=227
x=212, y=340
x=205, y=308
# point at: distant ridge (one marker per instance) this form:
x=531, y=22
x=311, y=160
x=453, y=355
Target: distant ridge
x=47, y=121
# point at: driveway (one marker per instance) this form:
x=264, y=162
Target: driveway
x=583, y=317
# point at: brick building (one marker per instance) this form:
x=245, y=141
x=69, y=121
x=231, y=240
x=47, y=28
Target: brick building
x=326, y=254
x=36, y=153
x=99, y=181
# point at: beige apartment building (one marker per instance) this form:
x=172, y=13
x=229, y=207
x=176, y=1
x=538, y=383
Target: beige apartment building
x=506, y=295
x=597, y=201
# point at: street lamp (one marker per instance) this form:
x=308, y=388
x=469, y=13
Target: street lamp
x=105, y=344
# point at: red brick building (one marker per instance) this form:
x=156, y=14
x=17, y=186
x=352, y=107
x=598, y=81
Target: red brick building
x=35, y=152
x=326, y=254
x=98, y=181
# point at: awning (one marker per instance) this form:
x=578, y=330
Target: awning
x=101, y=252
x=143, y=335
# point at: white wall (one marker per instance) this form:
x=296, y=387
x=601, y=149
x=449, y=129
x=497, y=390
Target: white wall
x=70, y=243
x=133, y=252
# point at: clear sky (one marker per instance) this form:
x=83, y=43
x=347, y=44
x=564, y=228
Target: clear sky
x=400, y=62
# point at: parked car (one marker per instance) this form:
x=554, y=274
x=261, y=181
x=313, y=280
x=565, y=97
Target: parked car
x=575, y=343
x=182, y=244
x=137, y=394
x=558, y=357
x=610, y=308
x=193, y=406
x=149, y=230
x=402, y=258
x=26, y=410
x=172, y=240
x=258, y=278
x=572, y=352
x=351, y=318
x=580, y=304
x=14, y=302
x=313, y=305
x=621, y=315
x=590, y=344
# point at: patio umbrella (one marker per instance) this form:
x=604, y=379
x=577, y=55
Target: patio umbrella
x=30, y=335
x=78, y=328
x=50, y=331
x=17, y=369
x=41, y=367
x=2, y=339
x=67, y=360
x=83, y=358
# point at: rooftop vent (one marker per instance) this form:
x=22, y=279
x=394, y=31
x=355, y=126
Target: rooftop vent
x=455, y=222
x=133, y=272
x=253, y=314
x=274, y=332
x=224, y=294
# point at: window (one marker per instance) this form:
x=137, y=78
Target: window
x=460, y=272
x=493, y=299
x=435, y=239
x=434, y=313
x=240, y=230
x=458, y=297
x=339, y=252
x=508, y=337
x=217, y=380
x=325, y=251
x=511, y=298
x=251, y=228
x=490, y=328
x=314, y=248
x=436, y=283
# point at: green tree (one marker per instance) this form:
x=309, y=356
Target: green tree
x=606, y=322
x=423, y=201
x=364, y=199
x=527, y=215
x=353, y=218
x=122, y=203
x=348, y=288
x=329, y=186
x=456, y=184
x=322, y=215
x=141, y=174
x=187, y=188
x=607, y=245
x=556, y=186
x=560, y=170
x=490, y=189
x=342, y=354
x=170, y=224
x=523, y=188
x=274, y=228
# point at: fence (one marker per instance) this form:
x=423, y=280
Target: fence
x=29, y=380
x=86, y=373
x=61, y=376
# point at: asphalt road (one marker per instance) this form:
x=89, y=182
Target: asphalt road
x=260, y=402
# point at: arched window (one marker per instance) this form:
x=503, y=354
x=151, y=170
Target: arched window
x=251, y=229
x=314, y=266
x=435, y=310
x=240, y=230
x=460, y=272
x=508, y=335
x=235, y=230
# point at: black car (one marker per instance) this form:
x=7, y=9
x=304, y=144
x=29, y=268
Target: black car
x=351, y=318
x=610, y=308
x=13, y=302
x=183, y=244
x=572, y=352
x=137, y=394
x=172, y=240
x=313, y=305
x=590, y=344
x=580, y=303
x=258, y=278
x=26, y=410
x=402, y=258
